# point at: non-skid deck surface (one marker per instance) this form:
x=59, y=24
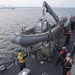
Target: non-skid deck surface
x=37, y=68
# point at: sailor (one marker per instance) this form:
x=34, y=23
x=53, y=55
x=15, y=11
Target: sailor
x=21, y=59
x=72, y=23
x=23, y=30
x=57, y=47
x=68, y=35
x=67, y=64
x=62, y=55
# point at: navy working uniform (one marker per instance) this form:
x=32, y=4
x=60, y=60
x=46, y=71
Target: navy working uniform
x=62, y=53
x=68, y=35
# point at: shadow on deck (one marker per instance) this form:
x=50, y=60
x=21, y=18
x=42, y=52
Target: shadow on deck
x=37, y=68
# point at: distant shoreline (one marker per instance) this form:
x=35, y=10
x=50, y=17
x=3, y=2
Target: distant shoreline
x=31, y=7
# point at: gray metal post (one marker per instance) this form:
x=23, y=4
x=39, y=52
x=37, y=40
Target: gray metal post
x=59, y=39
x=49, y=42
x=42, y=23
x=59, y=35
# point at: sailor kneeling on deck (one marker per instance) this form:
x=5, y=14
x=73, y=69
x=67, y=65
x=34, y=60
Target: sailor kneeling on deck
x=21, y=59
x=62, y=55
x=67, y=64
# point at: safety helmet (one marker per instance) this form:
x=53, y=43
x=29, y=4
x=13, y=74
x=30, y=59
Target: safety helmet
x=64, y=48
x=69, y=31
x=68, y=54
x=20, y=54
x=24, y=73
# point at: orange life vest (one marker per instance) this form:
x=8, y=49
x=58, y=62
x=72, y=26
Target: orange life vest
x=62, y=52
x=68, y=62
x=69, y=34
x=68, y=73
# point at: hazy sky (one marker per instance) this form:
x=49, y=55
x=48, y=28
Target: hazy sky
x=38, y=3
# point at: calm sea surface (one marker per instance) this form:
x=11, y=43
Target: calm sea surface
x=11, y=21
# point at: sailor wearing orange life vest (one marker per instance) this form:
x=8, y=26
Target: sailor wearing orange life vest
x=21, y=59
x=68, y=35
x=62, y=53
x=67, y=64
x=72, y=21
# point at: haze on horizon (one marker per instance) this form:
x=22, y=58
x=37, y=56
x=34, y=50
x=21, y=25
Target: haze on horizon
x=37, y=3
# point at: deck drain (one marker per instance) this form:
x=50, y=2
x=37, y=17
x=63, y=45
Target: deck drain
x=44, y=73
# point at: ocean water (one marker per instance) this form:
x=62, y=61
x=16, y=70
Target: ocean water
x=11, y=21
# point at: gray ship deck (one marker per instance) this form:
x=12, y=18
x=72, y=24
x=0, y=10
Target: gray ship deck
x=37, y=68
